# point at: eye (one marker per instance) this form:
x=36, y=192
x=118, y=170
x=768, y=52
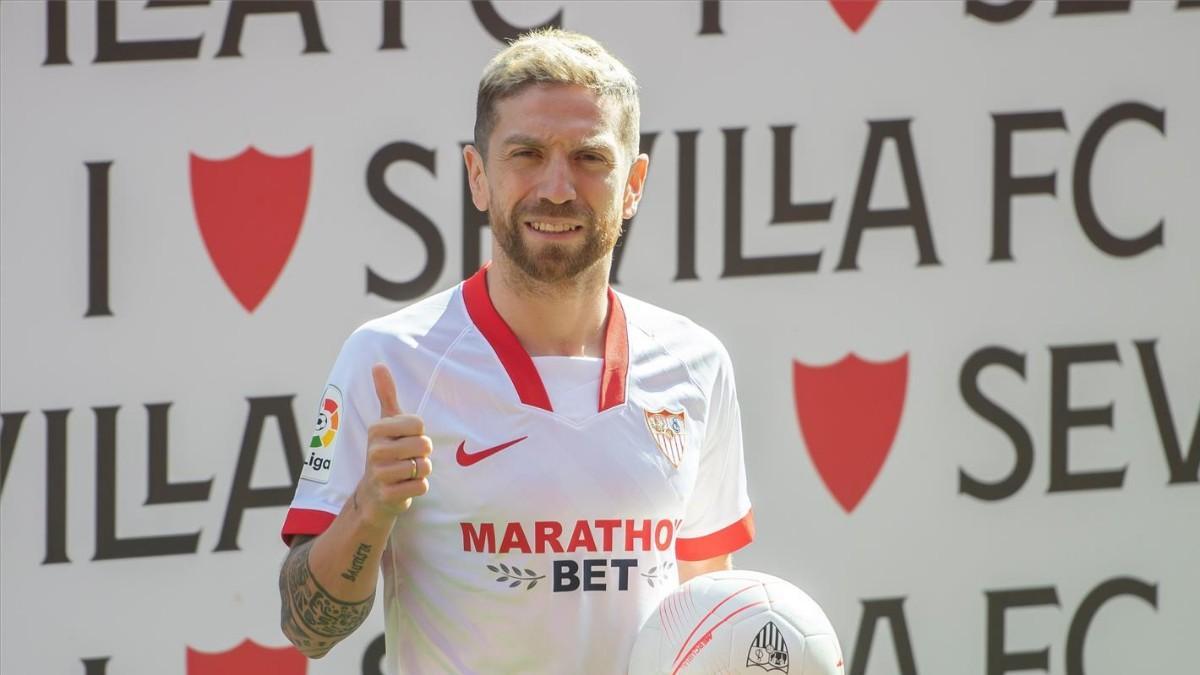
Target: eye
x=524, y=153
x=592, y=157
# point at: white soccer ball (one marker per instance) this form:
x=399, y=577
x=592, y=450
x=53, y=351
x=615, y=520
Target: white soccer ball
x=734, y=622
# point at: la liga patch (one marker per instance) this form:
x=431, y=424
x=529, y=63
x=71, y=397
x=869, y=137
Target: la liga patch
x=319, y=462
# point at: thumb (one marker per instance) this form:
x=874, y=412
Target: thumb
x=385, y=389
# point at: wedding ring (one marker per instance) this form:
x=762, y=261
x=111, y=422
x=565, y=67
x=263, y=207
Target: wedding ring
x=413, y=475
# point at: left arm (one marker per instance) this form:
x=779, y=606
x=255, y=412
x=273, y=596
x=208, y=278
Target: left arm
x=689, y=569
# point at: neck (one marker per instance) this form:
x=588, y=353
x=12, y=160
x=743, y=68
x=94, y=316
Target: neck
x=559, y=319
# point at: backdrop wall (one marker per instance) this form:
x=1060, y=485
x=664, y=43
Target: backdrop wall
x=951, y=246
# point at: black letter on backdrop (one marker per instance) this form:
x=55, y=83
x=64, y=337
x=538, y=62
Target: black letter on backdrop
x=240, y=9
x=10, y=428
x=393, y=25
x=503, y=30
x=892, y=611
x=110, y=48
x=1005, y=186
x=98, y=239
x=1063, y=418
x=737, y=264
x=645, y=145
x=915, y=215
x=98, y=666
x=372, y=661
x=1000, y=661
x=1182, y=469
x=1085, y=209
x=968, y=384
x=1090, y=6
x=710, y=17
x=1077, y=633
x=783, y=209
x=56, y=487
x=242, y=496
x=56, y=33
x=161, y=490
x=406, y=213
x=997, y=13
x=685, y=257
x=109, y=545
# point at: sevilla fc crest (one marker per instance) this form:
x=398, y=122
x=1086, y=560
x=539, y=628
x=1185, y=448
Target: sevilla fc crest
x=249, y=209
x=667, y=429
x=247, y=658
x=849, y=413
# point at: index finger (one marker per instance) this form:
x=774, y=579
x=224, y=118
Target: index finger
x=385, y=390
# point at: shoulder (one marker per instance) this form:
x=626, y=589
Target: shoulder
x=699, y=349
x=408, y=336
x=418, y=325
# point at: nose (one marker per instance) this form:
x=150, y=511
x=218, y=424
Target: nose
x=557, y=182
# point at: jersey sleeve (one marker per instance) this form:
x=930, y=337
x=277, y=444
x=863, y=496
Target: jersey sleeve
x=335, y=452
x=719, y=519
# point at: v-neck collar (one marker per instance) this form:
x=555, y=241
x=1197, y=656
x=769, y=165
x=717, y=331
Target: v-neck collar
x=519, y=366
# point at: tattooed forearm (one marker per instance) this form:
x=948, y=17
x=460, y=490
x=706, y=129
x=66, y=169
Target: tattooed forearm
x=356, y=564
x=311, y=618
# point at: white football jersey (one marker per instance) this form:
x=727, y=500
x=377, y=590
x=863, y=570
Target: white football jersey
x=546, y=538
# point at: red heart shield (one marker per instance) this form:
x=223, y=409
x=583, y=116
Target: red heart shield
x=854, y=13
x=849, y=413
x=248, y=658
x=249, y=209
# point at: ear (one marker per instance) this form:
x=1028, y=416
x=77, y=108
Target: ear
x=476, y=178
x=634, y=185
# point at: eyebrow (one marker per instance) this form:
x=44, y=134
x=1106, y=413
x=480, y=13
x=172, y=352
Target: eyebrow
x=588, y=145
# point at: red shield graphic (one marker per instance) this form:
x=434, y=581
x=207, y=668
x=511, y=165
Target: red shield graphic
x=849, y=413
x=247, y=658
x=249, y=209
x=854, y=13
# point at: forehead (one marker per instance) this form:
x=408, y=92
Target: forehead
x=564, y=114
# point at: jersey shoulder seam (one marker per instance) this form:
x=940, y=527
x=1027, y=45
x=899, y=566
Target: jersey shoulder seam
x=437, y=368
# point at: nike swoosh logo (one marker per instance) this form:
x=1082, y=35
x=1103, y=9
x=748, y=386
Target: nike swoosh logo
x=468, y=458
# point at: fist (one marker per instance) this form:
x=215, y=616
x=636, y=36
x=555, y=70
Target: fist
x=398, y=451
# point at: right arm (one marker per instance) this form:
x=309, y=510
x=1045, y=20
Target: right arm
x=327, y=584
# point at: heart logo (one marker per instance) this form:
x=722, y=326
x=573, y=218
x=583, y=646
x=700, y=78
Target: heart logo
x=249, y=209
x=854, y=13
x=849, y=413
x=246, y=658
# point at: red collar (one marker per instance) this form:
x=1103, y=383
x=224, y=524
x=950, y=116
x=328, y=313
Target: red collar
x=519, y=366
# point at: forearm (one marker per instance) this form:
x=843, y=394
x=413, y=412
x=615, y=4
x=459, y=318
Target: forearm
x=327, y=584
x=690, y=569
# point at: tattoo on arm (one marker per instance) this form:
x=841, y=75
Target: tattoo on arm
x=311, y=617
x=357, y=562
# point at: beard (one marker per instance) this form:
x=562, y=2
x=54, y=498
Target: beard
x=555, y=263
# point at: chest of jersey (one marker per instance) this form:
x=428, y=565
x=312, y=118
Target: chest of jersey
x=513, y=478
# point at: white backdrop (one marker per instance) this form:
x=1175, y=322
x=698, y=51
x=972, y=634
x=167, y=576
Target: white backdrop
x=123, y=342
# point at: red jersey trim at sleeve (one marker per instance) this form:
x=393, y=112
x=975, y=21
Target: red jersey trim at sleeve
x=305, y=521
x=725, y=540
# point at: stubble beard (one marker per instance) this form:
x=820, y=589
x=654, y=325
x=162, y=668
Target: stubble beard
x=555, y=265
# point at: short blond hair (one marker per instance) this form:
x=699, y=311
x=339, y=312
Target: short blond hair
x=555, y=56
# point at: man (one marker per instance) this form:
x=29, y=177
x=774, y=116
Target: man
x=588, y=445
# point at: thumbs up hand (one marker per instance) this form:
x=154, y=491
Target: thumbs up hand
x=397, y=457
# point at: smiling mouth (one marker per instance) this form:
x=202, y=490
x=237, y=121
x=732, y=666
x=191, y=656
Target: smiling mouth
x=552, y=228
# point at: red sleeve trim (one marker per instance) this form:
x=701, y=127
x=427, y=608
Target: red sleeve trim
x=725, y=540
x=305, y=521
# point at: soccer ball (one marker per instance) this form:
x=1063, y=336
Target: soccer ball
x=737, y=621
